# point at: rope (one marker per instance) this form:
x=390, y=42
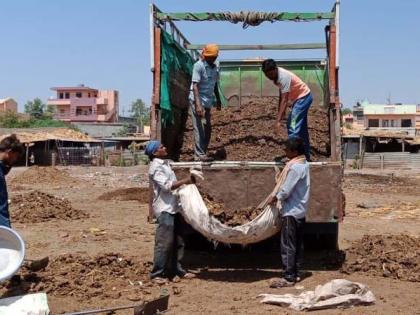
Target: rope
x=281, y=178
x=249, y=18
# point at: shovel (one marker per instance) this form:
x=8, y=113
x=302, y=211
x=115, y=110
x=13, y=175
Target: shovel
x=37, y=264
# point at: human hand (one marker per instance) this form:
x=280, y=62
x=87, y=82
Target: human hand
x=199, y=110
x=196, y=174
x=272, y=201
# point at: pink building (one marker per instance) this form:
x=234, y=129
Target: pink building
x=8, y=104
x=84, y=104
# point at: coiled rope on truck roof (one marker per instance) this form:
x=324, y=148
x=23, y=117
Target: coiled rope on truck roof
x=250, y=18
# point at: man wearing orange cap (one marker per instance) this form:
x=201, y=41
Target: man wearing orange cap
x=203, y=96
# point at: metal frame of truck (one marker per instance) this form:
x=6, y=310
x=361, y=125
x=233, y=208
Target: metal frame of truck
x=165, y=21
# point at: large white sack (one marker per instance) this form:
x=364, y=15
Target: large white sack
x=197, y=215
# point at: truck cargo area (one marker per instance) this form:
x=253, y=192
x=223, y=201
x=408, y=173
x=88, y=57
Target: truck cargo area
x=243, y=142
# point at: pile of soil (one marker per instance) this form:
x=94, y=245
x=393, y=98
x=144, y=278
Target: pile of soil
x=247, y=132
x=37, y=206
x=110, y=275
x=49, y=175
x=140, y=194
x=230, y=217
x=395, y=256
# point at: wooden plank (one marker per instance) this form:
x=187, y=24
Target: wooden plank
x=156, y=70
x=154, y=113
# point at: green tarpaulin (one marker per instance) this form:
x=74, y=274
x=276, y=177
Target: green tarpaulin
x=174, y=58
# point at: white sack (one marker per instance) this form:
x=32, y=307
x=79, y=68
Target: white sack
x=197, y=215
x=333, y=294
x=31, y=304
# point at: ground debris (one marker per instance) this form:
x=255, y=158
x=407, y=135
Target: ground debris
x=140, y=194
x=395, y=256
x=36, y=206
x=49, y=175
x=84, y=277
x=246, y=133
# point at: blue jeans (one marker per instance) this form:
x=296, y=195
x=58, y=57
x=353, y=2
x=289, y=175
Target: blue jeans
x=169, y=248
x=297, y=122
x=202, y=130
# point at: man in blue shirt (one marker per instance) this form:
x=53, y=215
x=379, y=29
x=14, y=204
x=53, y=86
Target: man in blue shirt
x=294, y=198
x=203, y=95
x=10, y=151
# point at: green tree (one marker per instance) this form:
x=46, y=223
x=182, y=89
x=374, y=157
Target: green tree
x=10, y=120
x=346, y=111
x=140, y=112
x=35, y=108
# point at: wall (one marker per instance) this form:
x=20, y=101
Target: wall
x=112, y=105
x=102, y=130
x=9, y=105
x=397, y=119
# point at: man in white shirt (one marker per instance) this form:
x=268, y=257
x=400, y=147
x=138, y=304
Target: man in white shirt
x=169, y=244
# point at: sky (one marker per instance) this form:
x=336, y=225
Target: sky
x=105, y=44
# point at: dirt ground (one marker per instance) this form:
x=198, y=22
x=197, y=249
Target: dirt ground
x=246, y=133
x=103, y=260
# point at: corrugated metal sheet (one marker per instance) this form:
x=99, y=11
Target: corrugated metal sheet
x=392, y=160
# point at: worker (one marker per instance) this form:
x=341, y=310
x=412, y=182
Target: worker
x=204, y=95
x=293, y=195
x=11, y=149
x=169, y=244
x=32, y=159
x=295, y=94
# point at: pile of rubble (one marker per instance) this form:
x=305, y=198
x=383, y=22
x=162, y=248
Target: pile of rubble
x=37, y=206
x=109, y=275
x=395, y=256
x=247, y=132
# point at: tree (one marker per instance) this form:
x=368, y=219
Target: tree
x=140, y=111
x=346, y=111
x=35, y=108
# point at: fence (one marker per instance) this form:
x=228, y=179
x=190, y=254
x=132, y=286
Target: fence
x=125, y=158
x=79, y=155
x=391, y=160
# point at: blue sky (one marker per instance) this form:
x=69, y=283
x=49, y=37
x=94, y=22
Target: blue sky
x=105, y=44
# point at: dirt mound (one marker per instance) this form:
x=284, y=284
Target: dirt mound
x=231, y=217
x=140, y=194
x=110, y=275
x=50, y=175
x=396, y=256
x=247, y=132
x=37, y=206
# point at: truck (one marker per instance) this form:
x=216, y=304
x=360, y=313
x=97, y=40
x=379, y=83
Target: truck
x=232, y=182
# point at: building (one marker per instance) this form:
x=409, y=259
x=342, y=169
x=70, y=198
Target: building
x=348, y=119
x=84, y=104
x=391, y=117
x=8, y=104
x=358, y=117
